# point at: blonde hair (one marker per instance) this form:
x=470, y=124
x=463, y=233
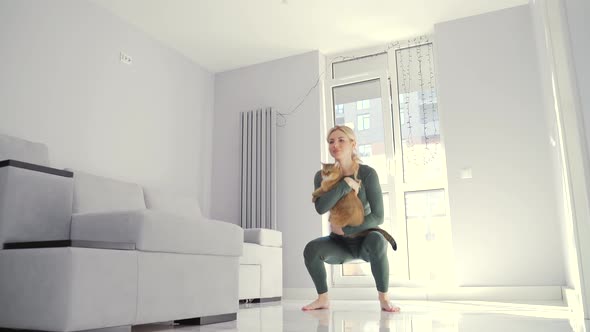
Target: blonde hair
x=349, y=133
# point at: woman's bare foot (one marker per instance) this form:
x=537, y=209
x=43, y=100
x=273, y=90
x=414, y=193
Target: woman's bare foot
x=385, y=304
x=322, y=302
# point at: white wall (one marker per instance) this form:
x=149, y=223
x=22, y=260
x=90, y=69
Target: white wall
x=561, y=29
x=550, y=36
x=577, y=12
x=280, y=84
x=62, y=84
x=505, y=219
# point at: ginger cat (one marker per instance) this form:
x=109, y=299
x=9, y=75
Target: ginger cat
x=349, y=210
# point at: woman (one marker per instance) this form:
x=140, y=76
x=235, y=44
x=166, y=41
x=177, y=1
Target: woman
x=339, y=247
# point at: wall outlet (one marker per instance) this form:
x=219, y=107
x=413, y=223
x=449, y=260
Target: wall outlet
x=126, y=59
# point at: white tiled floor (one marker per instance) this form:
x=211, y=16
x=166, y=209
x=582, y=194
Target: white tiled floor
x=416, y=316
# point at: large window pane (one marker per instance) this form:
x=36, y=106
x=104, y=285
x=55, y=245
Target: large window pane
x=359, y=107
x=418, y=113
x=429, y=235
x=362, y=111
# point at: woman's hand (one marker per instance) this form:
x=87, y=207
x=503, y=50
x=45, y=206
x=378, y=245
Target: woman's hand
x=336, y=229
x=352, y=184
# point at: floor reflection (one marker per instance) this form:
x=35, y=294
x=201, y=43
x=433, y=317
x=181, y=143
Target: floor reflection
x=442, y=317
x=416, y=316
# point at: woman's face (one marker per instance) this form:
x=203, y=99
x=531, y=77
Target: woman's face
x=340, y=146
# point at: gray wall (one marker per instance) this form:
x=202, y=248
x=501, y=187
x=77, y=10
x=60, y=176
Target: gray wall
x=62, y=84
x=280, y=84
x=505, y=220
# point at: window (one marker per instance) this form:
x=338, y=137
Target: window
x=365, y=150
x=363, y=104
x=364, y=121
x=339, y=109
x=397, y=125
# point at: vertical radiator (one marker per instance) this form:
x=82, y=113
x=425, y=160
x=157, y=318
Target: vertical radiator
x=258, y=178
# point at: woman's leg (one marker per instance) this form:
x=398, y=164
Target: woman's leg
x=374, y=250
x=316, y=253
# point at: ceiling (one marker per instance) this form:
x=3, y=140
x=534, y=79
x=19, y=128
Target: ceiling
x=221, y=35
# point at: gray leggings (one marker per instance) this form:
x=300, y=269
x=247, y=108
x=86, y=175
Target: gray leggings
x=336, y=249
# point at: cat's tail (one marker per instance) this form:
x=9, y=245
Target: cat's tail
x=383, y=232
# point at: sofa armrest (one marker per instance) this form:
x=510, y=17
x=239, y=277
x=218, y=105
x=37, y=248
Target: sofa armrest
x=156, y=231
x=264, y=237
x=35, y=203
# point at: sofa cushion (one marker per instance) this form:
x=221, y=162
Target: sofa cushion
x=23, y=150
x=176, y=204
x=99, y=194
x=157, y=231
x=264, y=237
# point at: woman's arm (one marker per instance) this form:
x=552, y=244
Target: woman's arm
x=375, y=199
x=325, y=202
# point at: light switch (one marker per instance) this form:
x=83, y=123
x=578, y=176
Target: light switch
x=466, y=173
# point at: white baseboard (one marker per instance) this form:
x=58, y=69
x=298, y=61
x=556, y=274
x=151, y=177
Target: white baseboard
x=525, y=293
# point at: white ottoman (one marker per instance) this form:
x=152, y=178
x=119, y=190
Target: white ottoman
x=261, y=266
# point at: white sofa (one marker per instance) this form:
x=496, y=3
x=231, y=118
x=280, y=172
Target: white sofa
x=261, y=266
x=124, y=258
